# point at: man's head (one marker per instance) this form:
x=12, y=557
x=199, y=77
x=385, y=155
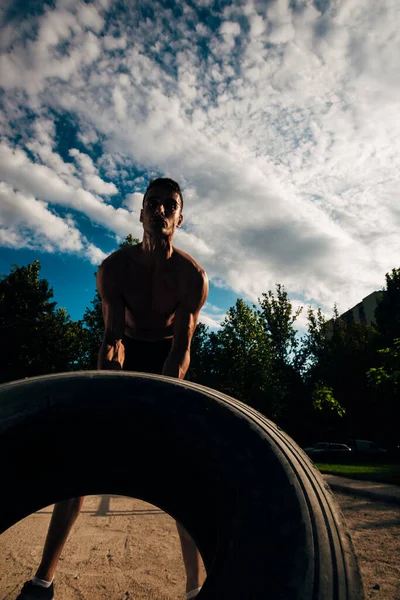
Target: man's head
x=168, y=184
x=162, y=207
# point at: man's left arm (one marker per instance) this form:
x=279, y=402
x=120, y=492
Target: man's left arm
x=186, y=318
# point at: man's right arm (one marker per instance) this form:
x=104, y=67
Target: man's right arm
x=112, y=351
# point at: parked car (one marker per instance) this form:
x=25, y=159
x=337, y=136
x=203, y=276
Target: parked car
x=327, y=449
x=368, y=447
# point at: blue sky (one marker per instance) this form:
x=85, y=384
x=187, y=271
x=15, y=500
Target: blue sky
x=278, y=118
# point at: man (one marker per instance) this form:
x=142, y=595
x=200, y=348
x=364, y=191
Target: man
x=152, y=294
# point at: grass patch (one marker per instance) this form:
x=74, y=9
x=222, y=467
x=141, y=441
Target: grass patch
x=380, y=473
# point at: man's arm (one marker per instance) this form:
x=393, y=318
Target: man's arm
x=186, y=318
x=112, y=351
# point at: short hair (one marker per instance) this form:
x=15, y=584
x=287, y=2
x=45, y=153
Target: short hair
x=165, y=182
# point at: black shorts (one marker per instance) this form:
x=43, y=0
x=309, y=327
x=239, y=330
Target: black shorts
x=146, y=357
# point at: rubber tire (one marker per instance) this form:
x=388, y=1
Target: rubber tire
x=264, y=520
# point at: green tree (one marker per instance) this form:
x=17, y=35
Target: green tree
x=199, y=359
x=252, y=357
x=314, y=344
x=37, y=338
x=286, y=386
x=337, y=354
x=239, y=356
x=93, y=332
x=384, y=381
x=324, y=400
x=386, y=377
x=129, y=241
x=387, y=313
x=279, y=317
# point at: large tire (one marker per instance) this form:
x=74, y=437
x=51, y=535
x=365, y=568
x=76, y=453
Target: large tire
x=265, y=522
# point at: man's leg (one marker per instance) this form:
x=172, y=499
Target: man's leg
x=64, y=516
x=191, y=559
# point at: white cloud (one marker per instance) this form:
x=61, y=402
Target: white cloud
x=230, y=29
x=42, y=147
x=119, y=104
x=31, y=63
x=94, y=254
x=43, y=183
x=133, y=202
x=89, y=16
x=89, y=173
x=209, y=320
x=212, y=316
x=202, y=29
x=285, y=134
x=28, y=223
x=114, y=43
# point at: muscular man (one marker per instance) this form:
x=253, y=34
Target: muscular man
x=151, y=295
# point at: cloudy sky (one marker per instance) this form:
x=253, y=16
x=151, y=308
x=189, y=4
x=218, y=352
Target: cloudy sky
x=279, y=118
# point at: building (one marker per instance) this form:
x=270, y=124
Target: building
x=363, y=312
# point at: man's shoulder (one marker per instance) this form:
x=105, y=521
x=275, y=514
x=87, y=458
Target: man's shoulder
x=118, y=257
x=111, y=272
x=194, y=280
x=188, y=265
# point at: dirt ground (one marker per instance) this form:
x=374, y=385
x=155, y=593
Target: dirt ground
x=125, y=549
x=375, y=531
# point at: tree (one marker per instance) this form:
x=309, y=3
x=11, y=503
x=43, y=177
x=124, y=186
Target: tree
x=37, y=338
x=286, y=386
x=324, y=400
x=199, y=360
x=251, y=357
x=314, y=343
x=93, y=332
x=386, y=377
x=337, y=354
x=239, y=356
x=384, y=380
x=129, y=241
x=387, y=313
x=278, y=320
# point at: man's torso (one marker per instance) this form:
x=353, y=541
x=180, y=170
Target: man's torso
x=151, y=294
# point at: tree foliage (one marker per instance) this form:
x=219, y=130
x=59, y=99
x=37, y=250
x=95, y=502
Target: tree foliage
x=37, y=338
x=198, y=370
x=386, y=377
x=384, y=383
x=278, y=318
x=239, y=353
x=93, y=332
x=252, y=356
x=387, y=313
x=324, y=400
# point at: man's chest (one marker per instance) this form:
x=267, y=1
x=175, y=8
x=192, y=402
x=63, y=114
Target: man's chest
x=155, y=291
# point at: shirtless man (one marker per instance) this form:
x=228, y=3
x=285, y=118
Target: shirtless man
x=151, y=295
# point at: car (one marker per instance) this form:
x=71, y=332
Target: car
x=325, y=448
x=367, y=447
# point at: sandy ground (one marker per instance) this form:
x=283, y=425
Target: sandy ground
x=121, y=549
x=375, y=531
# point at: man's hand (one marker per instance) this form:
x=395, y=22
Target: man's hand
x=178, y=360
x=186, y=318
x=111, y=355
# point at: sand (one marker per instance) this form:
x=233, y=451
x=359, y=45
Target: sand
x=121, y=548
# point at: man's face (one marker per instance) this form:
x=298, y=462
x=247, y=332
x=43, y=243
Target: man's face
x=161, y=212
